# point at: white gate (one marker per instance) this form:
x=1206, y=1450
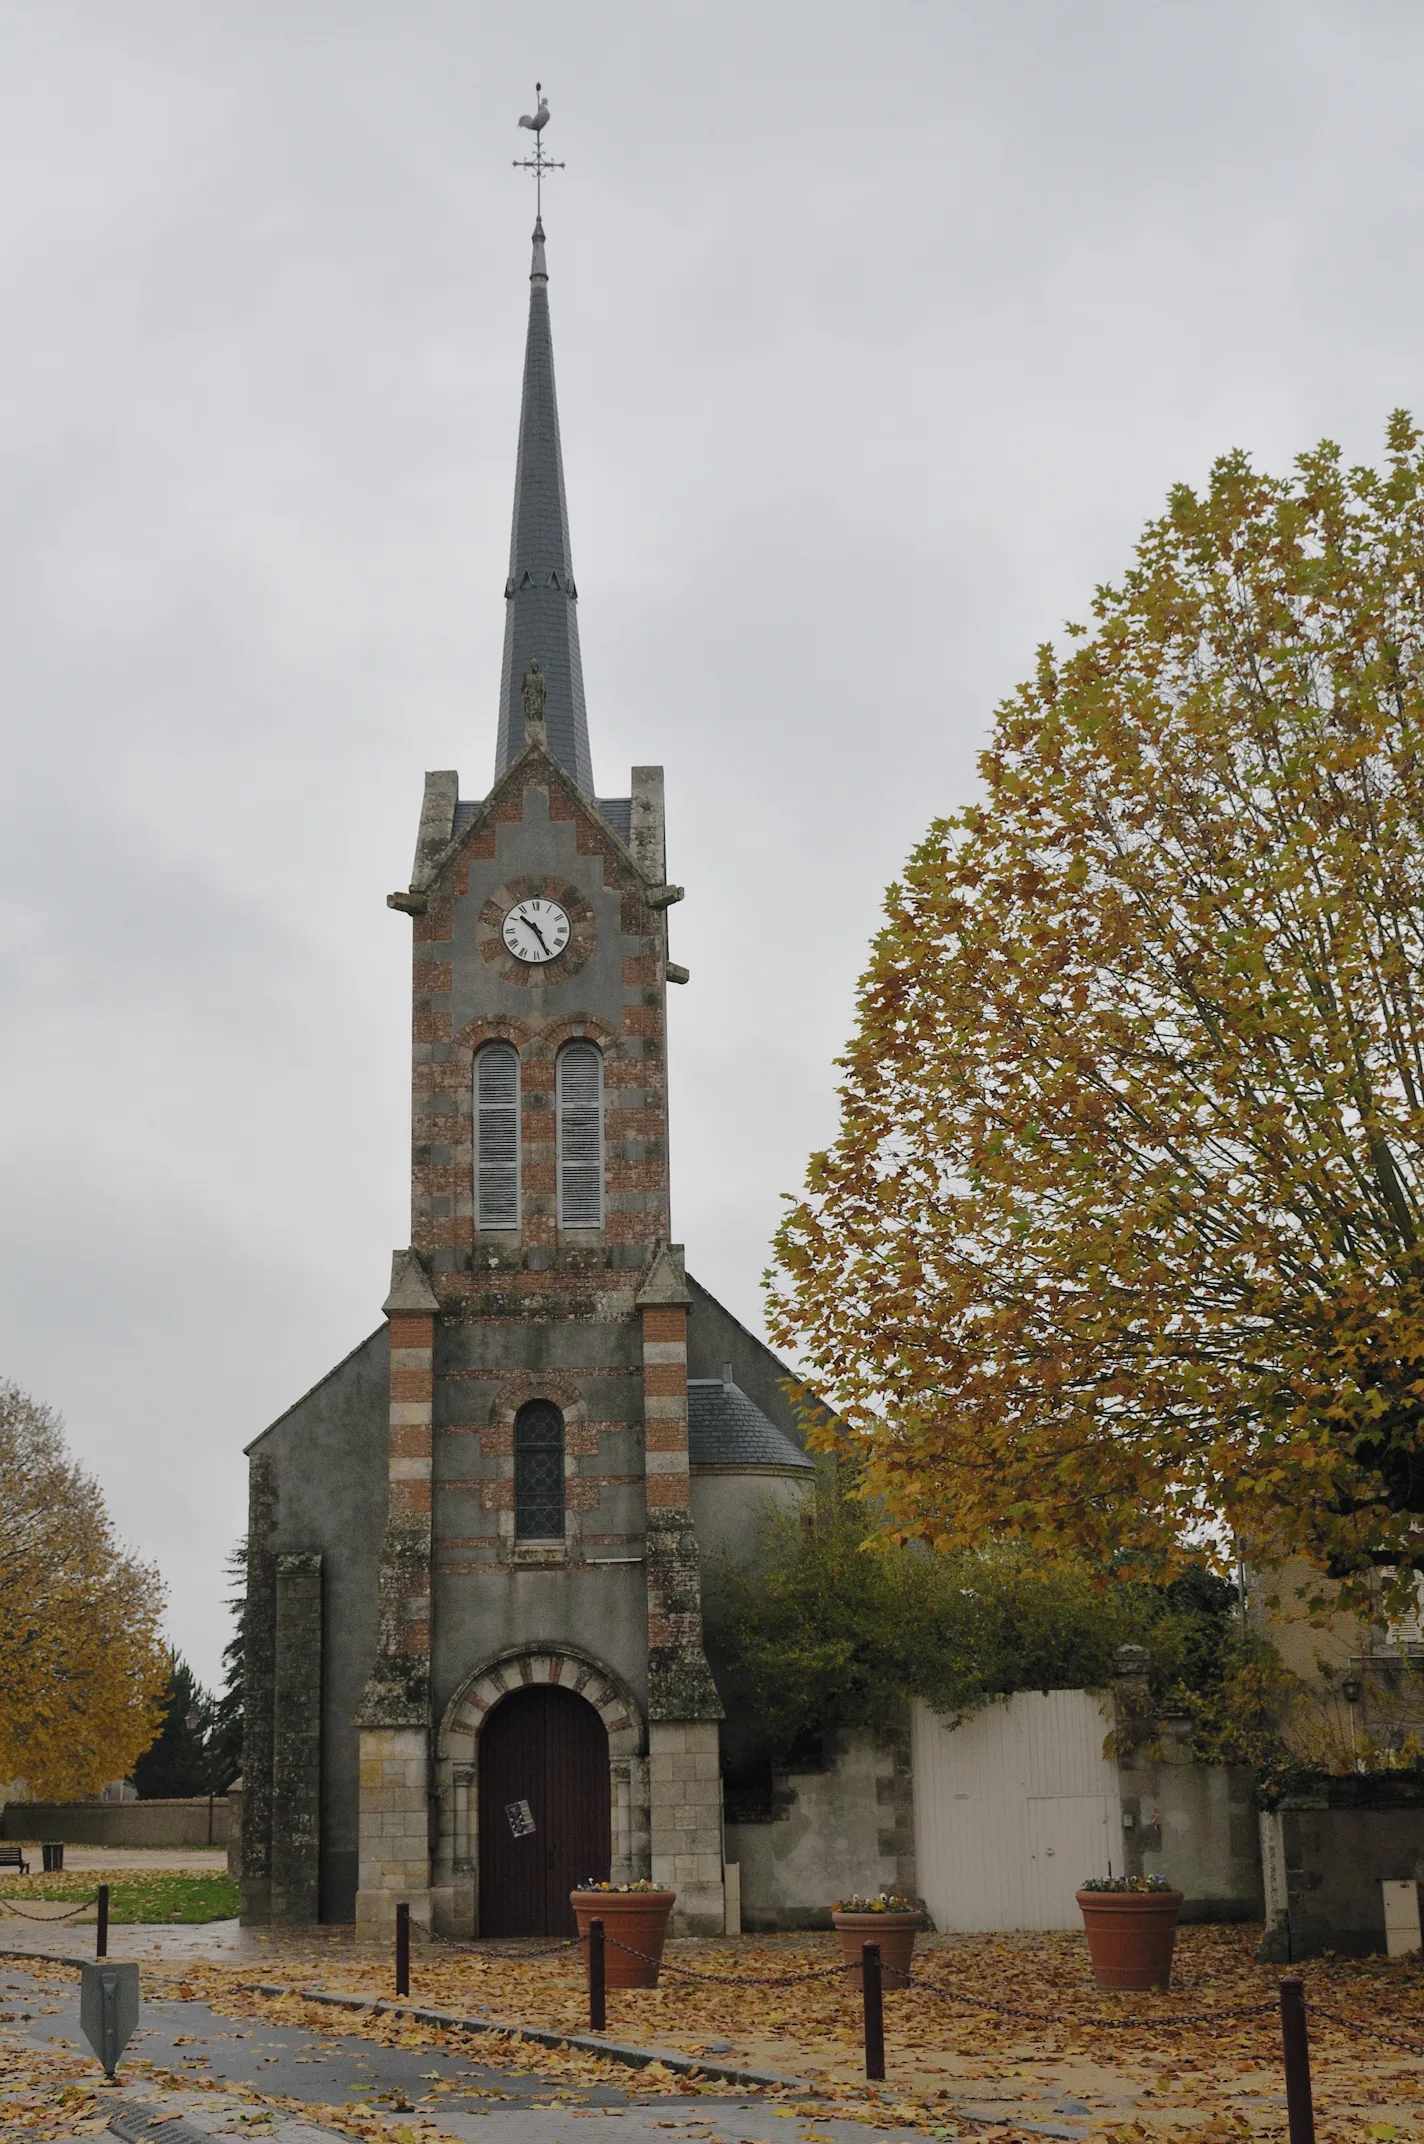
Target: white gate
x=1014, y=1809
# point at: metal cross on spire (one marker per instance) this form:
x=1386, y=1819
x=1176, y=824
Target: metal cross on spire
x=538, y=163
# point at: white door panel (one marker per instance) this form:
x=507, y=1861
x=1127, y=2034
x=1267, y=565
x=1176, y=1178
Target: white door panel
x=1013, y=1809
x=1068, y=1841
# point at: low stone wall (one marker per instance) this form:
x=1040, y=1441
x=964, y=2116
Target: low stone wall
x=1196, y=1825
x=1327, y=1849
x=170, y=1824
x=847, y=1828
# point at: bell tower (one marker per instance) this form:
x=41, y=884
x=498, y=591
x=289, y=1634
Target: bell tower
x=539, y=1563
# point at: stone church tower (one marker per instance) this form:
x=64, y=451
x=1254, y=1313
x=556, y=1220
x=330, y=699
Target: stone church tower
x=475, y=1667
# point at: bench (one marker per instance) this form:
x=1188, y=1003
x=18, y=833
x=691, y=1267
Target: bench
x=12, y=1858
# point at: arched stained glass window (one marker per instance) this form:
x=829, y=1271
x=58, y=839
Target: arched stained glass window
x=497, y=1137
x=580, y=1136
x=539, y=1472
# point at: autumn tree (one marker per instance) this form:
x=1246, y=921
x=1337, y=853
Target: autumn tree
x=82, y=1663
x=1120, y=1246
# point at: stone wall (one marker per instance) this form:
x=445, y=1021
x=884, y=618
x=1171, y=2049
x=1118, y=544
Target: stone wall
x=296, y=1754
x=1196, y=1825
x=126, y=1824
x=1327, y=1849
x=318, y=1489
x=846, y=1828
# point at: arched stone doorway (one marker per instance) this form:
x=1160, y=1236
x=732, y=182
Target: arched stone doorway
x=545, y=1810
x=463, y=1818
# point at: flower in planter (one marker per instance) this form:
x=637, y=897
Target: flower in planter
x=883, y=1902
x=1126, y=1883
x=639, y=1883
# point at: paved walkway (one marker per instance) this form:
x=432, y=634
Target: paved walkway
x=189, y=1860
x=457, y=2096
x=224, y=1942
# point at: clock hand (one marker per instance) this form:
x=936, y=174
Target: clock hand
x=530, y=924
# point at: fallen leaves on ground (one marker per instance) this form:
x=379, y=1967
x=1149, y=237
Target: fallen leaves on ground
x=1201, y=2063
x=1026, y=2024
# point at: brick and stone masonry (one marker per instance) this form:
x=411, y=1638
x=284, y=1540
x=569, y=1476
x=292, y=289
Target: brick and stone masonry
x=683, y=1706
x=394, y=1720
x=393, y=1604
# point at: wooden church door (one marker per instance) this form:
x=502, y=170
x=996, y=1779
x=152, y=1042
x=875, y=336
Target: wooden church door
x=544, y=1810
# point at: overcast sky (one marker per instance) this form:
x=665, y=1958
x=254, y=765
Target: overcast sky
x=880, y=331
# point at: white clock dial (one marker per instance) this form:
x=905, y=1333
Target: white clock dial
x=536, y=931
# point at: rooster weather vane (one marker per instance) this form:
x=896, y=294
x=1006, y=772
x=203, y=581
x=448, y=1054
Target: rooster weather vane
x=538, y=163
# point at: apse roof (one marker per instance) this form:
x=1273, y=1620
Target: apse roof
x=726, y=1429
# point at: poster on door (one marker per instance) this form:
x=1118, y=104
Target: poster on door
x=521, y=1818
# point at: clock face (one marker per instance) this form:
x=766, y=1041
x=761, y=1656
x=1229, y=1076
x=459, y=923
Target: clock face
x=536, y=931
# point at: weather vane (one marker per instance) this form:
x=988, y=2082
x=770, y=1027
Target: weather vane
x=538, y=163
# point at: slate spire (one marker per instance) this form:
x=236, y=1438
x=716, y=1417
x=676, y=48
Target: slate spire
x=541, y=601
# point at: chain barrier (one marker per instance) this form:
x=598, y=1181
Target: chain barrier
x=730, y=1980
x=545, y=1950
x=1089, y=2024
x=927, y=1987
x=10, y=1906
x=1373, y=2032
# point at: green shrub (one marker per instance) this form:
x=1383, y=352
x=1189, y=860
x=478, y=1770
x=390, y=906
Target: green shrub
x=832, y=1630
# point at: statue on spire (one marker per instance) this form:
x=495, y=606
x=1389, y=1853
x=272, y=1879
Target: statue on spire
x=536, y=692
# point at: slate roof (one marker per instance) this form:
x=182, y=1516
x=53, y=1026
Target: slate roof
x=726, y=1429
x=541, y=600
x=616, y=812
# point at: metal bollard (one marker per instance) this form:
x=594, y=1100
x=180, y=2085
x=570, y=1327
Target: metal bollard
x=597, y=1978
x=870, y=1982
x=402, y=1948
x=1295, y=2046
x=101, y=1932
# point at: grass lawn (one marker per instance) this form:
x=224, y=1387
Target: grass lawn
x=165, y=1895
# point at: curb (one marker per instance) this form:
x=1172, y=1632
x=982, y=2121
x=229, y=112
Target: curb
x=46, y=1957
x=586, y=2043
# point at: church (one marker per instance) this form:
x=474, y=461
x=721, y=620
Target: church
x=475, y=1671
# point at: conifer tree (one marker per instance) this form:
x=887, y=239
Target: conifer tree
x=228, y=1711
x=175, y=1764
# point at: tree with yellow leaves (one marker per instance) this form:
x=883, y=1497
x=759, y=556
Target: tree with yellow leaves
x=82, y=1661
x=1120, y=1247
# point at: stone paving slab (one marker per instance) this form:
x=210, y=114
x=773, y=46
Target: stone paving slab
x=137, y=2123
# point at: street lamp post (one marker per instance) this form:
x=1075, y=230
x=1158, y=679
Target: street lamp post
x=193, y=1721
x=1352, y=1689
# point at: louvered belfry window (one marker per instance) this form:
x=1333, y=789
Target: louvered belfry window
x=539, y=1472
x=497, y=1137
x=580, y=1136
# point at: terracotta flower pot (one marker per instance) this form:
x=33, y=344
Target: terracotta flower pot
x=637, y=1920
x=894, y=1932
x=1131, y=1935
